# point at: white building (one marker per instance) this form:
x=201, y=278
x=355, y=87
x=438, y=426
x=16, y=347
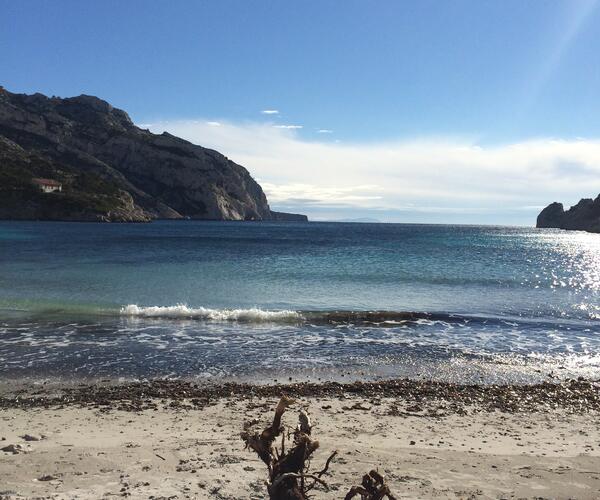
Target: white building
x=47, y=185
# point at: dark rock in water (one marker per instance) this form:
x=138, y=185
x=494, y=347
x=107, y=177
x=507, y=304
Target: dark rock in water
x=111, y=170
x=585, y=216
x=551, y=216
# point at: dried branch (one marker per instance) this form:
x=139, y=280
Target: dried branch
x=304, y=424
x=373, y=488
x=294, y=475
x=331, y=457
x=289, y=469
x=323, y=471
x=263, y=444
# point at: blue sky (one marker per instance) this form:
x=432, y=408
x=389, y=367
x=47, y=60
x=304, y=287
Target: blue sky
x=369, y=80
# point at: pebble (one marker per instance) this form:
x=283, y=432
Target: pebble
x=47, y=477
x=577, y=396
x=14, y=449
x=32, y=437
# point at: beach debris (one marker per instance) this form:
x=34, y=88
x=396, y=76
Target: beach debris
x=373, y=487
x=290, y=477
x=357, y=406
x=47, y=477
x=32, y=437
x=412, y=397
x=289, y=474
x=304, y=424
x=15, y=449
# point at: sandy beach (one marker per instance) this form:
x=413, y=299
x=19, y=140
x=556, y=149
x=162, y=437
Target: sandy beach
x=191, y=448
x=315, y=250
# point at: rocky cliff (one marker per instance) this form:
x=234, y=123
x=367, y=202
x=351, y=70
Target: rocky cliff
x=287, y=217
x=585, y=216
x=112, y=170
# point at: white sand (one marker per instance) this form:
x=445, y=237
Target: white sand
x=92, y=454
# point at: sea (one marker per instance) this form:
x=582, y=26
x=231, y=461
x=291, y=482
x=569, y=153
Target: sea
x=276, y=302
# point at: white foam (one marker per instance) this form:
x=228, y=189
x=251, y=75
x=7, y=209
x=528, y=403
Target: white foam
x=182, y=311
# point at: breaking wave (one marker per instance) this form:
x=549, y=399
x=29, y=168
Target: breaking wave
x=182, y=311
x=257, y=315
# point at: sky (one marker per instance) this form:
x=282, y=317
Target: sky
x=469, y=111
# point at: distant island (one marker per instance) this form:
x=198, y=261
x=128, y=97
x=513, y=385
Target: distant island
x=585, y=216
x=80, y=159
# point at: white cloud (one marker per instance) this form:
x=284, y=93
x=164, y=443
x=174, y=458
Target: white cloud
x=270, y=111
x=324, y=131
x=289, y=127
x=319, y=195
x=406, y=178
x=214, y=124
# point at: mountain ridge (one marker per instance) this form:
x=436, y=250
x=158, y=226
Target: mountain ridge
x=112, y=170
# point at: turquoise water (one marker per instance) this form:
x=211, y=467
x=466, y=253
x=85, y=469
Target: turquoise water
x=254, y=300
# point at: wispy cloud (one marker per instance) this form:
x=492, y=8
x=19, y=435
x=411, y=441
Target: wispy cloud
x=324, y=131
x=270, y=111
x=289, y=127
x=428, y=179
x=214, y=124
x=311, y=194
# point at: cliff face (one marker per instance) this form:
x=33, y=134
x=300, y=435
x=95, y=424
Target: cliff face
x=287, y=217
x=111, y=169
x=585, y=216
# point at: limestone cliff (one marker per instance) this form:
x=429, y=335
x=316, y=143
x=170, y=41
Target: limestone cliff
x=287, y=217
x=111, y=169
x=585, y=216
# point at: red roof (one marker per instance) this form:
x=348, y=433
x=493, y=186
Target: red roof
x=46, y=182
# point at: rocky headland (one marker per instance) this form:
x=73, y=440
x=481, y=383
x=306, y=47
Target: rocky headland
x=111, y=170
x=585, y=216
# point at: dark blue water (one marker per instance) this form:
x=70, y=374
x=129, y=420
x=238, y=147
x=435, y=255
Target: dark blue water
x=253, y=300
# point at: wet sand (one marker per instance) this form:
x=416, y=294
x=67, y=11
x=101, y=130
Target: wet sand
x=180, y=440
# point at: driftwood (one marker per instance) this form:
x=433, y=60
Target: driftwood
x=289, y=475
x=289, y=470
x=373, y=487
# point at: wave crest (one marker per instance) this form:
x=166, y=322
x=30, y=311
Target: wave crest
x=257, y=315
x=182, y=311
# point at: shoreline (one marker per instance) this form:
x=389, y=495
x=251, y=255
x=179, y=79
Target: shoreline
x=575, y=396
x=150, y=221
